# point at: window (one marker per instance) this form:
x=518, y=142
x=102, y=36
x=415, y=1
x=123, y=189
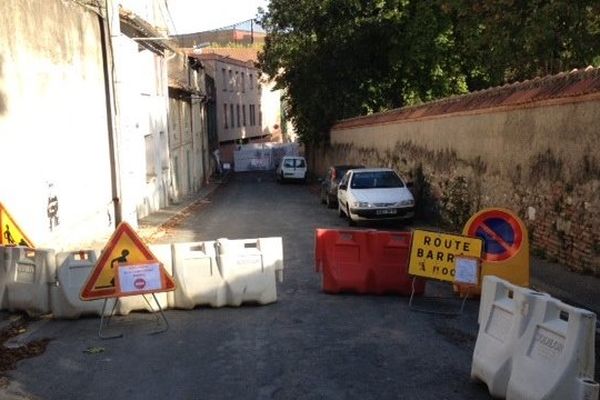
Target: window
x=231, y=115
x=237, y=81
x=259, y=116
x=250, y=77
x=224, y=79
x=159, y=75
x=149, y=142
x=243, y=114
x=237, y=109
x=164, y=155
x=244, y=84
x=225, y=116
x=252, y=114
x=230, y=80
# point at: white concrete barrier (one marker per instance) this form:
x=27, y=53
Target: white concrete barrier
x=250, y=268
x=72, y=270
x=588, y=389
x=4, y=276
x=199, y=280
x=242, y=271
x=128, y=304
x=30, y=272
x=505, y=312
x=555, y=357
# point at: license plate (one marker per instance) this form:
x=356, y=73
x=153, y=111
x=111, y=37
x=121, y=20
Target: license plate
x=386, y=212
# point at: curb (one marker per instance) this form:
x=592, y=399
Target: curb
x=152, y=230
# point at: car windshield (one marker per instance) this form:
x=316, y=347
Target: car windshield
x=294, y=163
x=377, y=179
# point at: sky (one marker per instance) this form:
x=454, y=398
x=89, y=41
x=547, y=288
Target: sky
x=201, y=15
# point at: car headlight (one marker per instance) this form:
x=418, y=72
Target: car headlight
x=409, y=202
x=361, y=204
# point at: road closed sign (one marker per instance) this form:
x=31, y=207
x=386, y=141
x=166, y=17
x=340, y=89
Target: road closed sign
x=433, y=254
x=139, y=279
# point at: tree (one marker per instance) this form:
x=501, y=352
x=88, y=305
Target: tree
x=511, y=40
x=343, y=58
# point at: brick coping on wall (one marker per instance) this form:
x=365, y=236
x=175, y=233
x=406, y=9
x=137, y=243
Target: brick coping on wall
x=564, y=88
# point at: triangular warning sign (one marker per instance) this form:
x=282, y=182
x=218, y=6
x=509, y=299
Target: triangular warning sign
x=124, y=247
x=12, y=234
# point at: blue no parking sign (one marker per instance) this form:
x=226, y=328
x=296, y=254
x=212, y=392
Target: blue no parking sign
x=501, y=233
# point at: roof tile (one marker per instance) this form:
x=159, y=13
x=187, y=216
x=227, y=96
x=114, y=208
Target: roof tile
x=566, y=84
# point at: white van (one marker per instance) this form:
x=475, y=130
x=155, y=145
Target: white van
x=291, y=168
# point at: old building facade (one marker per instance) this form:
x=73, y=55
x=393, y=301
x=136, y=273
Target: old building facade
x=84, y=118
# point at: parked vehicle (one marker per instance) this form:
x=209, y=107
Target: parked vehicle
x=329, y=184
x=291, y=168
x=375, y=194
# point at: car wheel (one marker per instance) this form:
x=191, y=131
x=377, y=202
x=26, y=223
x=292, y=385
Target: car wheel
x=351, y=222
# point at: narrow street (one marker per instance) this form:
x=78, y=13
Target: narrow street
x=309, y=345
x=142, y=141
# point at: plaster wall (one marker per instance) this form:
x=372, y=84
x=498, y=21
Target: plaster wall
x=53, y=129
x=181, y=148
x=152, y=11
x=142, y=109
x=270, y=110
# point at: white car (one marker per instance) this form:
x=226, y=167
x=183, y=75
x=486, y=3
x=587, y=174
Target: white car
x=375, y=194
x=291, y=168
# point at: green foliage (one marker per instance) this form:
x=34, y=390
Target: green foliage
x=511, y=40
x=343, y=58
x=456, y=203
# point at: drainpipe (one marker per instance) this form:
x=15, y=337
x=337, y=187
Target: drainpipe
x=107, y=55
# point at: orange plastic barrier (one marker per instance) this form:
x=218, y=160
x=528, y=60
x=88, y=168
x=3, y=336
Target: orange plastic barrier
x=390, y=252
x=364, y=261
x=343, y=259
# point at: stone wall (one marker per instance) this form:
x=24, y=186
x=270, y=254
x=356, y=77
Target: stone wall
x=540, y=160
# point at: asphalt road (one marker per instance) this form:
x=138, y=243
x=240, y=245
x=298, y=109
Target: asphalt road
x=309, y=345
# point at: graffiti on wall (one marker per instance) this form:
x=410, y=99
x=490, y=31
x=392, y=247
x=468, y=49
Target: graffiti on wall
x=52, y=208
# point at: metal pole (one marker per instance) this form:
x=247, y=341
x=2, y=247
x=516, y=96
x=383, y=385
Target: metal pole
x=112, y=124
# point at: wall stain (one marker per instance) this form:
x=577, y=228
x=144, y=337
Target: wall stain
x=545, y=166
x=3, y=101
x=587, y=168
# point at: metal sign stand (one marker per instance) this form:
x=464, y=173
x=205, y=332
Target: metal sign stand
x=441, y=299
x=157, y=316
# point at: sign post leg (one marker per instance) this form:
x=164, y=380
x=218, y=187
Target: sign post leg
x=162, y=314
x=412, y=293
x=108, y=321
x=433, y=311
x=465, y=297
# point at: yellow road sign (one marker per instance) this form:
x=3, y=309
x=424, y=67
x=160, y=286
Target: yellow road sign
x=125, y=247
x=433, y=254
x=12, y=234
